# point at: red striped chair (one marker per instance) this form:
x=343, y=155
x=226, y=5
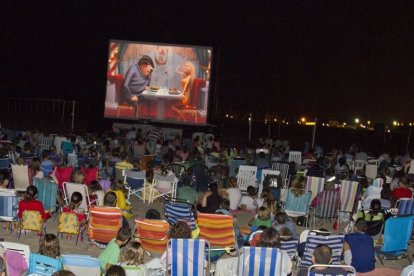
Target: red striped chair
x=152, y=234
x=104, y=223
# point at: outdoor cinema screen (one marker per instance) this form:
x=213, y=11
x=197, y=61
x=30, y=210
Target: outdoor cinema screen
x=158, y=82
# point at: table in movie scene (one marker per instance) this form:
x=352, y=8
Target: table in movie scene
x=161, y=95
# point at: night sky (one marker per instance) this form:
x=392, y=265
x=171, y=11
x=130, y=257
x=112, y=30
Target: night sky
x=328, y=59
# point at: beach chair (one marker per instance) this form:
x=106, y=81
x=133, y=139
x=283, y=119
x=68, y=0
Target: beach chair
x=47, y=191
x=43, y=265
x=159, y=184
x=405, y=207
x=188, y=257
x=359, y=165
x=69, y=188
x=350, y=270
x=61, y=175
x=246, y=177
x=266, y=172
x=178, y=210
x=378, y=182
x=315, y=185
x=20, y=177
x=335, y=242
x=22, y=249
x=81, y=264
x=397, y=233
x=259, y=261
x=349, y=192
x=283, y=168
x=32, y=221
x=327, y=207
x=90, y=174
x=8, y=207
x=135, y=183
x=68, y=224
x=371, y=171
x=217, y=229
x=45, y=143
x=152, y=234
x=235, y=165
x=297, y=206
x=290, y=247
x=178, y=169
x=295, y=156
x=104, y=223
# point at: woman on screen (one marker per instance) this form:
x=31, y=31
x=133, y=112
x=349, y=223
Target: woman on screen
x=187, y=72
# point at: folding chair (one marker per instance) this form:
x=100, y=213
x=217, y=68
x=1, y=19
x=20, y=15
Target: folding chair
x=68, y=224
x=46, y=192
x=297, y=206
x=246, y=177
x=70, y=188
x=290, y=247
x=335, y=242
x=22, y=249
x=217, y=229
x=283, y=168
x=90, y=174
x=315, y=185
x=32, y=220
x=405, y=207
x=266, y=172
x=201, y=179
x=178, y=210
x=350, y=270
x=351, y=164
x=178, y=169
x=260, y=261
x=219, y=173
x=20, y=177
x=188, y=257
x=104, y=223
x=396, y=246
x=135, y=183
x=359, y=165
x=61, y=175
x=152, y=234
x=295, y=156
x=45, y=143
x=159, y=184
x=371, y=171
x=43, y=265
x=81, y=264
x=235, y=165
x=73, y=160
x=8, y=207
x=349, y=192
x=327, y=208
x=5, y=164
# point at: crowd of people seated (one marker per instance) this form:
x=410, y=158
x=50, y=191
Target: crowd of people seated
x=124, y=150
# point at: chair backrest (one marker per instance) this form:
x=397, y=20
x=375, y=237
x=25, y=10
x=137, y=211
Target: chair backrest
x=260, y=261
x=158, y=178
x=266, y=172
x=104, y=223
x=69, y=188
x=43, y=265
x=135, y=180
x=297, y=205
x=187, y=256
x=405, y=207
x=335, y=242
x=8, y=205
x=207, y=136
x=178, y=169
x=359, y=165
x=348, y=270
x=266, y=151
x=378, y=182
x=351, y=164
x=246, y=177
x=81, y=264
x=20, y=177
x=315, y=185
x=47, y=169
x=73, y=160
x=152, y=234
x=90, y=174
x=290, y=247
x=283, y=168
x=235, y=165
x=295, y=156
x=62, y=174
x=371, y=171
x=328, y=205
x=176, y=210
x=68, y=223
x=216, y=229
x=349, y=191
x=22, y=249
x=31, y=220
x=46, y=192
x=4, y=163
x=401, y=225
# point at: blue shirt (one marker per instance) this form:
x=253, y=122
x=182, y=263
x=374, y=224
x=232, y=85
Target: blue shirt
x=362, y=250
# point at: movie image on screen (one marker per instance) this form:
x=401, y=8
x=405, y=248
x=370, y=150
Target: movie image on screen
x=159, y=82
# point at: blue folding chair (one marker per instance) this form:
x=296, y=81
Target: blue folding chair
x=178, y=210
x=81, y=264
x=394, y=246
x=4, y=164
x=47, y=169
x=8, y=207
x=297, y=206
x=188, y=257
x=290, y=247
x=135, y=183
x=335, y=242
x=260, y=261
x=47, y=191
x=405, y=207
x=43, y=265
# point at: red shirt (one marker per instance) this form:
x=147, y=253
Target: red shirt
x=81, y=216
x=401, y=193
x=32, y=205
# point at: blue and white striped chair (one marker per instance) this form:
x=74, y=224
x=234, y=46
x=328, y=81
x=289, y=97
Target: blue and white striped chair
x=188, y=257
x=260, y=261
x=8, y=206
x=405, y=207
x=176, y=210
x=290, y=247
x=335, y=242
x=47, y=191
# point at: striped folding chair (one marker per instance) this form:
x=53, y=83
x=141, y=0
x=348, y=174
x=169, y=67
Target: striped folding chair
x=335, y=242
x=260, y=261
x=327, y=207
x=45, y=143
x=176, y=210
x=315, y=185
x=246, y=177
x=348, y=270
x=290, y=247
x=47, y=191
x=297, y=206
x=405, y=207
x=295, y=156
x=152, y=234
x=104, y=223
x=349, y=192
x=20, y=177
x=43, y=265
x=8, y=207
x=188, y=257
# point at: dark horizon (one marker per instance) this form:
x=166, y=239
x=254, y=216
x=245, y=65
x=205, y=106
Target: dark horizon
x=334, y=62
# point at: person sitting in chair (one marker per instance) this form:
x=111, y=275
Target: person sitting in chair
x=137, y=78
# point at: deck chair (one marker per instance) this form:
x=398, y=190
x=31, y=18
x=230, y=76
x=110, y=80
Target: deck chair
x=90, y=174
x=104, y=223
x=188, y=257
x=295, y=156
x=266, y=172
x=70, y=188
x=297, y=206
x=327, y=208
x=135, y=183
x=152, y=234
x=219, y=173
x=359, y=165
x=46, y=192
x=73, y=160
x=178, y=169
x=201, y=173
x=350, y=270
x=61, y=175
x=159, y=184
x=246, y=177
x=396, y=246
x=217, y=230
x=32, y=220
x=178, y=210
x=5, y=164
x=68, y=224
x=405, y=207
x=349, y=192
x=260, y=261
x=81, y=264
x=20, y=177
x=45, y=143
x=19, y=255
x=290, y=247
x=335, y=242
x=43, y=265
x=283, y=168
x=8, y=207
x=46, y=169
x=315, y=185
x=235, y=165
x=371, y=171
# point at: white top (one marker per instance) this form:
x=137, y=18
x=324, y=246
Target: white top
x=235, y=195
x=249, y=202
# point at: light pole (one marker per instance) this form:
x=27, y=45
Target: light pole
x=250, y=126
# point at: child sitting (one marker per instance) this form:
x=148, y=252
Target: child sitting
x=224, y=207
x=282, y=220
x=78, y=177
x=234, y=193
x=261, y=219
x=75, y=202
x=249, y=202
x=30, y=203
x=132, y=258
x=49, y=246
x=118, y=188
x=110, y=256
x=96, y=195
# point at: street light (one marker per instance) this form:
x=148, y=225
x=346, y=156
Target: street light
x=356, y=121
x=303, y=119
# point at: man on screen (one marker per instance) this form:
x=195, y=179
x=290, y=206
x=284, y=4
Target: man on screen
x=137, y=78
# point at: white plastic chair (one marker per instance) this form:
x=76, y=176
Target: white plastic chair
x=371, y=171
x=283, y=168
x=70, y=188
x=359, y=165
x=246, y=177
x=351, y=164
x=295, y=156
x=164, y=185
x=20, y=177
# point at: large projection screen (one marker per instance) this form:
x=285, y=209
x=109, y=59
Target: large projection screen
x=158, y=82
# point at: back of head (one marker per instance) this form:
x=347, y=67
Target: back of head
x=124, y=155
x=213, y=187
x=115, y=270
x=152, y=214
x=124, y=234
x=322, y=254
x=49, y=246
x=180, y=230
x=31, y=193
x=269, y=238
x=110, y=199
x=361, y=225
x=251, y=191
x=225, y=204
x=45, y=154
x=263, y=213
x=75, y=200
x=132, y=254
x=375, y=205
x=63, y=273
x=280, y=218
